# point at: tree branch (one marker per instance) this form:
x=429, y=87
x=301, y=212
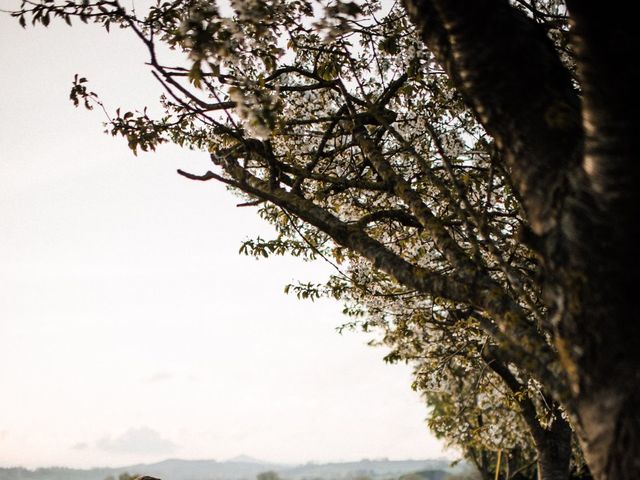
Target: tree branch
x=525, y=403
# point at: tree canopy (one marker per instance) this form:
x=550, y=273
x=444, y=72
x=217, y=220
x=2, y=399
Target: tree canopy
x=468, y=167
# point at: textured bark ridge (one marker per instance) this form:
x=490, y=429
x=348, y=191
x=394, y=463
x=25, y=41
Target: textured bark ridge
x=573, y=159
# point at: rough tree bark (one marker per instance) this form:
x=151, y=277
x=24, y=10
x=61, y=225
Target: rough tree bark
x=572, y=155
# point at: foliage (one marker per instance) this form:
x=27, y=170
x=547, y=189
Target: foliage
x=270, y=475
x=123, y=476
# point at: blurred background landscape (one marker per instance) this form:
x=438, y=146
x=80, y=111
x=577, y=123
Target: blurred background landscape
x=247, y=468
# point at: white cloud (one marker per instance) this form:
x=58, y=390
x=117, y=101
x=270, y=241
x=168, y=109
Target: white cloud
x=140, y=440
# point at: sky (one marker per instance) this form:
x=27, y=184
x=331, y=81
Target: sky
x=131, y=330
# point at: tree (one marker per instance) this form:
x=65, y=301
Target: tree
x=127, y=476
x=489, y=170
x=269, y=475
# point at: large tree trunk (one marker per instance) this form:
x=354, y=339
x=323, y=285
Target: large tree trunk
x=554, y=452
x=573, y=160
x=599, y=319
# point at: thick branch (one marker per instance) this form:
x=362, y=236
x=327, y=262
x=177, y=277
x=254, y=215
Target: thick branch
x=527, y=408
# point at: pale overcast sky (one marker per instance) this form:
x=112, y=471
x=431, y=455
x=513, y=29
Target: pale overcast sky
x=130, y=328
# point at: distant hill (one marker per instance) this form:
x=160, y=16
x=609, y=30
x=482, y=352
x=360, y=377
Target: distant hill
x=247, y=459
x=243, y=468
